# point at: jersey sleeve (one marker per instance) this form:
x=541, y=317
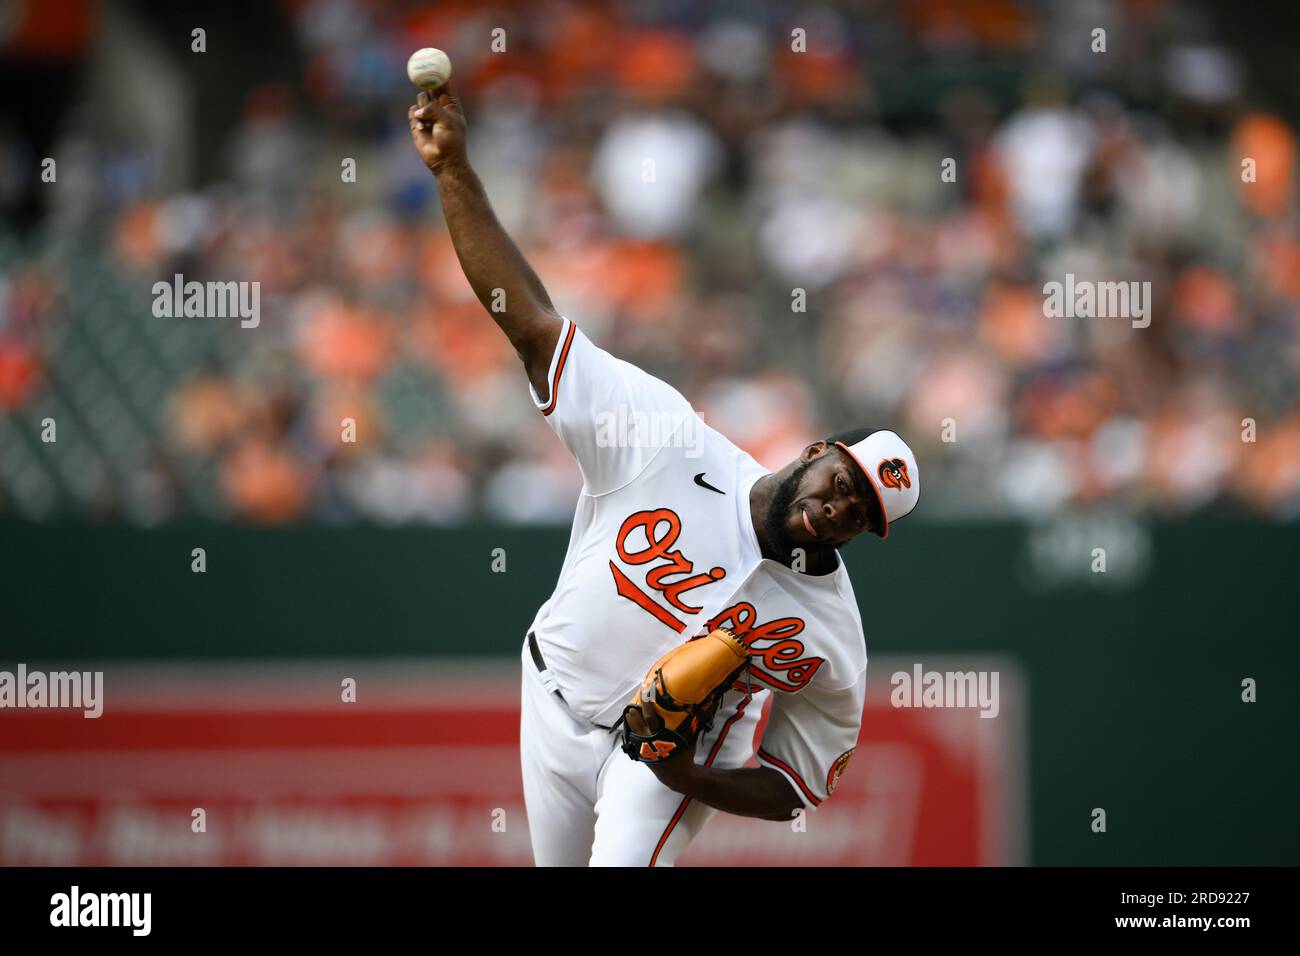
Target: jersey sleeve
x=810, y=736
x=612, y=416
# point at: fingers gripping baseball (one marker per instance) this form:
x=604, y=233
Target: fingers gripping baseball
x=438, y=127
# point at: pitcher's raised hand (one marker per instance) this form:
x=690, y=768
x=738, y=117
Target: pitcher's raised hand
x=438, y=128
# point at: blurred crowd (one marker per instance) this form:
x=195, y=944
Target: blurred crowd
x=853, y=231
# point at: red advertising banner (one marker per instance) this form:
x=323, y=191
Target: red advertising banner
x=270, y=765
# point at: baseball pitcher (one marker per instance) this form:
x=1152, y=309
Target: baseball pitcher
x=697, y=585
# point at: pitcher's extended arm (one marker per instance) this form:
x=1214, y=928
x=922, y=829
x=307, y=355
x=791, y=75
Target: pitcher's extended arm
x=488, y=256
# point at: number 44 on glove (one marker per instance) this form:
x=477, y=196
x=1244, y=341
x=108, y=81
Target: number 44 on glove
x=680, y=695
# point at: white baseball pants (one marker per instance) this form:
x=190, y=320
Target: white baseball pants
x=589, y=804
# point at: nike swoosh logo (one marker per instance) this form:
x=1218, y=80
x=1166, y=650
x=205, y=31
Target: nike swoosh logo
x=699, y=480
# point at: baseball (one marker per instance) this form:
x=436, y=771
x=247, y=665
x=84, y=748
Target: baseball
x=428, y=68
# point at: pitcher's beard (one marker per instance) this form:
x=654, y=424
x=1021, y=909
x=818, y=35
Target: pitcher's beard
x=778, y=510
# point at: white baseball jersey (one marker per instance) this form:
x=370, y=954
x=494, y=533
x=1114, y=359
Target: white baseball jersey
x=663, y=547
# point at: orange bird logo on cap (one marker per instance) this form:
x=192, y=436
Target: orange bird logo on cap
x=893, y=474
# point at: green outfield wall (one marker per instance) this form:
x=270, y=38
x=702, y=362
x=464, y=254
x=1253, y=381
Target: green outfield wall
x=1133, y=675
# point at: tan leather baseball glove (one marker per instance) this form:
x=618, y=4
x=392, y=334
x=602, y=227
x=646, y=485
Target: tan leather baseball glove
x=680, y=695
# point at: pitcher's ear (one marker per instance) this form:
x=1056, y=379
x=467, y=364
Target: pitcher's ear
x=813, y=450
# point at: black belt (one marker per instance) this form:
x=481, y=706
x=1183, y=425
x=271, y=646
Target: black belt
x=537, y=657
x=541, y=664
x=541, y=667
